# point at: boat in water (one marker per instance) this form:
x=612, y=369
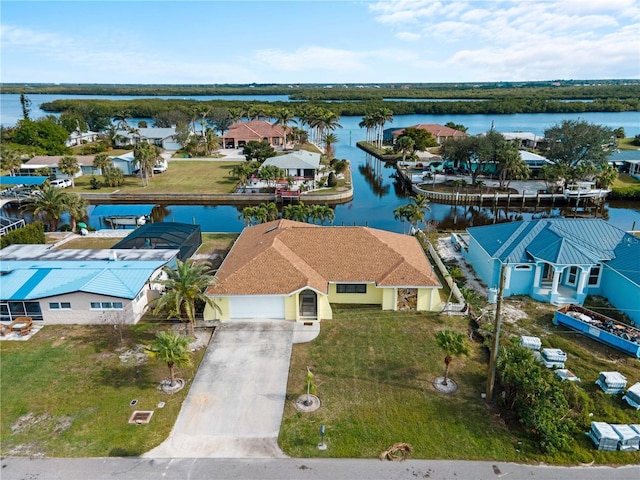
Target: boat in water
x=585, y=190
x=125, y=220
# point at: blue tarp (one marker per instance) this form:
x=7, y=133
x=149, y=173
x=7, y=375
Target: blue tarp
x=17, y=180
x=122, y=210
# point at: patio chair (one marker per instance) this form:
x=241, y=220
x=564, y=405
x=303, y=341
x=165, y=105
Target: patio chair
x=5, y=329
x=22, y=325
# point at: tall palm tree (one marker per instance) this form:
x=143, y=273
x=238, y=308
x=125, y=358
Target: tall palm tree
x=283, y=117
x=329, y=139
x=120, y=119
x=48, y=204
x=77, y=208
x=185, y=286
x=69, y=166
x=145, y=156
x=452, y=344
x=172, y=348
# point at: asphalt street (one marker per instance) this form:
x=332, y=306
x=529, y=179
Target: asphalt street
x=294, y=469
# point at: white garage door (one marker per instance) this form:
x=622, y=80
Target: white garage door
x=259, y=306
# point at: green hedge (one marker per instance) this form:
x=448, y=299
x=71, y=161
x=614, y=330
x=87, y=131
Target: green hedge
x=32, y=233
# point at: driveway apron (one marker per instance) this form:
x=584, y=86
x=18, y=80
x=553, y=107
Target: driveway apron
x=235, y=404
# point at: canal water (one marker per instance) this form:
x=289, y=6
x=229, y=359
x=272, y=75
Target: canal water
x=377, y=191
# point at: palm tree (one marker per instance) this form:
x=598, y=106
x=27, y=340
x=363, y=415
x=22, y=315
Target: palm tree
x=404, y=145
x=69, y=166
x=452, y=344
x=184, y=286
x=120, y=117
x=77, y=208
x=283, y=117
x=9, y=160
x=402, y=213
x=172, y=348
x=102, y=161
x=47, y=203
x=329, y=139
x=145, y=156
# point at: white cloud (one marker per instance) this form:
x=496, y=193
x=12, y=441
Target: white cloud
x=408, y=36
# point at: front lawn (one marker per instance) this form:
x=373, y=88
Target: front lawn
x=66, y=392
x=374, y=369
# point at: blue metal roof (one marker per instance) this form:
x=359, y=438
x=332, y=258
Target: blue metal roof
x=562, y=241
x=22, y=180
x=30, y=280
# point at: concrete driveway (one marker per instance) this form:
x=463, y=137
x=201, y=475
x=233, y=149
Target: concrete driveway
x=235, y=404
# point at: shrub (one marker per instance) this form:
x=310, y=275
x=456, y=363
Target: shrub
x=332, y=181
x=30, y=234
x=95, y=183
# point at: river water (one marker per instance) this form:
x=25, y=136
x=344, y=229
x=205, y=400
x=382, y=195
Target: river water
x=376, y=190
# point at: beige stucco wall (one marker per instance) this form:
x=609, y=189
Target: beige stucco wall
x=81, y=312
x=429, y=299
x=291, y=310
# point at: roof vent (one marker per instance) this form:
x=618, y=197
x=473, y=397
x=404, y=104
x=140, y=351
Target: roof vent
x=113, y=257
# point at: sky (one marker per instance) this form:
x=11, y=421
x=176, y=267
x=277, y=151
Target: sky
x=318, y=41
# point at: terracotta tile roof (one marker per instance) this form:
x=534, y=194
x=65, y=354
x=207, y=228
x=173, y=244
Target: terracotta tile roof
x=434, y=129
x=254, y=129
x=284, y=256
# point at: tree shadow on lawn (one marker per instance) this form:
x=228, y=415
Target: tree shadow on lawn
x=120, y=376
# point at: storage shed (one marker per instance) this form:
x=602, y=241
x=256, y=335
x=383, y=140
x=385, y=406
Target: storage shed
x=165, y=235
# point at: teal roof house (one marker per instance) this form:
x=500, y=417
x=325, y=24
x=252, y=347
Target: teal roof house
x=81, y=287
x=560, y=261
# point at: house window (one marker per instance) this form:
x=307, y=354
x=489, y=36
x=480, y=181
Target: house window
x=594, y=275
x=11, y=310
x=106, y=305
x=547, y=273
x=523, y=267
x=59, y=306
x=351, y=288
x=572, y=276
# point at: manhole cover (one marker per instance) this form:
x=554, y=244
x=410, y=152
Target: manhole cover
x=141, y=416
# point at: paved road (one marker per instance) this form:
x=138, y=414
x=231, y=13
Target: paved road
x=295, y=469
x=235, y=404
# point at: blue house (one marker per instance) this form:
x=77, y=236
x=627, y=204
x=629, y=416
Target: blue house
x=559, y=261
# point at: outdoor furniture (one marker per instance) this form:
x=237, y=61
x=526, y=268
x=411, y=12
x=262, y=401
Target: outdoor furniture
x=22, y=325
x=5, y=329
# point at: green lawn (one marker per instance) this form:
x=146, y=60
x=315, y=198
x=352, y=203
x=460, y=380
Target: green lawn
x=67, y=393
x=374, y=370
x=181, y=177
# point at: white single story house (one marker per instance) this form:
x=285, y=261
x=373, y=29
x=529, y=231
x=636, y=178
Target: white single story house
x=79, y=138
x=162, y=137
x=301, y=165
x=51, y=162
x=79, y=286
x=295, y=271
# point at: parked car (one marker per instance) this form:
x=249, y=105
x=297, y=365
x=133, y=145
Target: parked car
x=60, y=183
x=160, y=167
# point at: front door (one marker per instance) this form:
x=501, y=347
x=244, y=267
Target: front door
x=547, y=273
x=308, y=304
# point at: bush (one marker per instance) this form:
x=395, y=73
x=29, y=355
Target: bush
x=332, y=181
x=95, y=183
x=30, y=234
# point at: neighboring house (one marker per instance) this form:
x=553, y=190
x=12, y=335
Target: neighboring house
x=58, y=286
x=80, y=138
x=439, y=132
x=560, y=261
x=51, y=162
x=534, y=161
x=162, y=137
x=301, y=165
x=240, y=133
x=295, y=271
x=633, y=167
x=525, y=139
x=125, y=162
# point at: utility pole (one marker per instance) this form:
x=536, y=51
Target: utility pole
x=496, y=337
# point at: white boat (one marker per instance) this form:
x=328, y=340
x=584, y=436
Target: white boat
x=585, y=190
x=126, y=220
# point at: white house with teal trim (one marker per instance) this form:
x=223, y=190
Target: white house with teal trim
x=559, y=261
